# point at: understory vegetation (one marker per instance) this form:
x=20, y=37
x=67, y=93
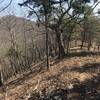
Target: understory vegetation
x=59, y=51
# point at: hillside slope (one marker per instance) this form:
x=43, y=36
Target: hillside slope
x=64, y=74
x=16, y=28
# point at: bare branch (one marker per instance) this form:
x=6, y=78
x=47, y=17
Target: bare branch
x=6, y=6
x=2, y=1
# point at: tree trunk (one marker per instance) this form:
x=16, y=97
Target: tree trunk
x=61, y=52
x=1, y=83
x=68, y=43
x=89, y=45
x=46, y=31
x=83, y=39
x=76, y=43
x=67, y=47
x=98, y=47
x=82, y=43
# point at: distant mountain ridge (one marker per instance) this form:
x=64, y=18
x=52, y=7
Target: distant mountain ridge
x=18, y=28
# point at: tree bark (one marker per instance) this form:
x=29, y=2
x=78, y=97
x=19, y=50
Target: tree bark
x=46, y=31
x=82, y=43
x=1, y=83
x=61, y=52
x=89, y=45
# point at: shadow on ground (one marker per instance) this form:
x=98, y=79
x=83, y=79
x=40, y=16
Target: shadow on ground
x=40, y=67
x=83, y=54
x=90, y=67
x=77, y=54
x=88, y=90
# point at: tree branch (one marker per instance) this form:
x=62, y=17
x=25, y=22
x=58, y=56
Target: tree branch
x=6, y=6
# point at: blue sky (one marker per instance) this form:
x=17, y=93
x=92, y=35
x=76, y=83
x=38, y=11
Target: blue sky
x=16, y=10
x=13, y=9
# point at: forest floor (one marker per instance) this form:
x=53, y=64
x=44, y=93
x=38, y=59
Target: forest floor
x=78, y=75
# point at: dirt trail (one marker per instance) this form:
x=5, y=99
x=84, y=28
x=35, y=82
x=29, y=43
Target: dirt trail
x=62, y=74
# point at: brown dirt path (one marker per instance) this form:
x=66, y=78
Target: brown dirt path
x=61, y=74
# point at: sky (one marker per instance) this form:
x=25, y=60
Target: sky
x=15, y=9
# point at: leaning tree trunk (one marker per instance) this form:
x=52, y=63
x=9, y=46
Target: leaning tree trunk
x=61, y=52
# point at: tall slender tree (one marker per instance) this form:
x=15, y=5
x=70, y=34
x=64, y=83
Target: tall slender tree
x=57, y=9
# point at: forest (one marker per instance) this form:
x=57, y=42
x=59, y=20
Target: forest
x=52, y=52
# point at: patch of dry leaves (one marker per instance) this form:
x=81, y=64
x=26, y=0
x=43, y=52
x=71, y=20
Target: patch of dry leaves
x=58, y=76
